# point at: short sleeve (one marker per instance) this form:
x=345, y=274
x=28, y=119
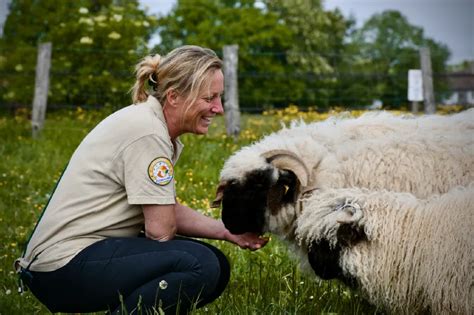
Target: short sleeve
x=149, y=171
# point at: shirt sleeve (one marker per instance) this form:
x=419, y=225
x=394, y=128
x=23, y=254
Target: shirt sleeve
x=149, y=171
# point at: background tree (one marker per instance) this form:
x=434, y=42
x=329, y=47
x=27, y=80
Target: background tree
x=379, y=55
x=95, y=45
x=277, y=41
x=290, y=51
x=316, y=40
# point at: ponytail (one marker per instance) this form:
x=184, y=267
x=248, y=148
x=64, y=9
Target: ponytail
x=145, y=71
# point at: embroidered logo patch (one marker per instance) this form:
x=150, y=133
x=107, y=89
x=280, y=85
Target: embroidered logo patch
x=161, y=171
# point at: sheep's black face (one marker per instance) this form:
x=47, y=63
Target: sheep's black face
x=243, y=204
x=324, y=259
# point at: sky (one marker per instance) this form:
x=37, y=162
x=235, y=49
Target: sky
x=450, y=22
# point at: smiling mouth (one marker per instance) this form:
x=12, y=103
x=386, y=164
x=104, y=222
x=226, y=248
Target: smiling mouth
x=207, y=120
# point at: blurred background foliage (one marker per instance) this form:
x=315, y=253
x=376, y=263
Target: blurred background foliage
x=290, y=51
x=95, y=46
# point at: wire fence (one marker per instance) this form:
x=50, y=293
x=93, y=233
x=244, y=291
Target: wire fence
x=94, y=78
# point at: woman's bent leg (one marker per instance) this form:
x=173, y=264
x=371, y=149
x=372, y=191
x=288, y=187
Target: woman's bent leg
x=177, y=273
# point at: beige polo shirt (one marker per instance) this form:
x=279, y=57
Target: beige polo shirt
x=125, y=161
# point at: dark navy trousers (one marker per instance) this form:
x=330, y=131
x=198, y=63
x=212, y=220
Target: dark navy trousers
x=118, y=274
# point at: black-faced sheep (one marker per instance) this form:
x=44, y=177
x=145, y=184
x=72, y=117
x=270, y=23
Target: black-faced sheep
x=406, y=254
x=264, y=187
x=261, y=185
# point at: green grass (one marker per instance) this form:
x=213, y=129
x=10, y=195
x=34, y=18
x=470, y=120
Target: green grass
x=267, y=281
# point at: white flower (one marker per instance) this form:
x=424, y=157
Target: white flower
x=86, y=40
x=163, y=285
x=100, y=18
x=8, y=292
x=146, y=24
x=117, y=17
x=19, y=67
x=83, y=10
x=114, y=35
x=87, y=21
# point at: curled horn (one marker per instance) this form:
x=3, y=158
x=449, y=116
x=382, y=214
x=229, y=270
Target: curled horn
x=287, y=160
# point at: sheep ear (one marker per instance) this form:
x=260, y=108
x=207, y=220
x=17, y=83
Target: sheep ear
x=286, y=160
x=350, y=231
x=348, y=213
x=216, y=203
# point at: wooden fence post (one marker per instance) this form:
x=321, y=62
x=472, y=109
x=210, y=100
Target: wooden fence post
x=43, y=64
x=428, y=94
x=231, y=104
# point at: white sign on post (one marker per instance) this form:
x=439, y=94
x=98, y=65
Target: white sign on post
x=415, y=85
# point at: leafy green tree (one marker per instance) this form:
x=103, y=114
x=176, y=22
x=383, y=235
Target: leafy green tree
x=379, y=55
x=277, y=64
x=316, y=42
x=96, y=43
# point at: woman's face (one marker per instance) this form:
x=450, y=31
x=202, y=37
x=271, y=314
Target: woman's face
x=199, y=115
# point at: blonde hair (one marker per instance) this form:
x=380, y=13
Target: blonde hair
x=185, y=69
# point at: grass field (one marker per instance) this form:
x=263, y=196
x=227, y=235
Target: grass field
x=267, y=281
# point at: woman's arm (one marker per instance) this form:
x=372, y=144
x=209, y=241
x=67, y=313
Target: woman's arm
x=160, y=221
x=194, y=224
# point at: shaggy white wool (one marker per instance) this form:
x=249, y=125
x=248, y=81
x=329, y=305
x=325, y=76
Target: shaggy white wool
x=422, y=155
x=419, y=253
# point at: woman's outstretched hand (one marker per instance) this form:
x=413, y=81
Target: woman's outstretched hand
x=247, y=240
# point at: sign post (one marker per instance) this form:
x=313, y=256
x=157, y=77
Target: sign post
x=415, y=88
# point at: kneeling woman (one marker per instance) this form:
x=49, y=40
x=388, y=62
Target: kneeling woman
x=85, y=254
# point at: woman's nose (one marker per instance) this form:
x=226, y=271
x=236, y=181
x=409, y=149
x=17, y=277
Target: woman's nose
x=217, y=107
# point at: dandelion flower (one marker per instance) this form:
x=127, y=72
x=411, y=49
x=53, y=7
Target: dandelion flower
x=163, y=285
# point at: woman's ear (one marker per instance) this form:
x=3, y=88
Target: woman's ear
x=171, y=97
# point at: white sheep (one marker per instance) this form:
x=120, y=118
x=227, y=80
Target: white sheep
x=264, y=187
x=406, y=254
x=261, y=185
